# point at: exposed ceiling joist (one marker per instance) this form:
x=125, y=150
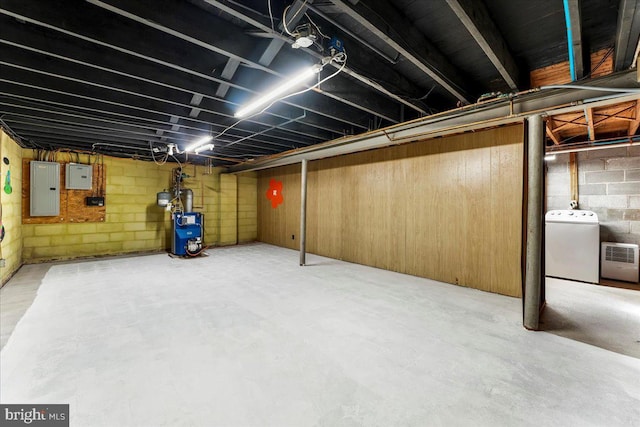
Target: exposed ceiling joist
x=294, y=15
x=156, y=120
x=633, y=127
x=131, y=73
x=117, y=101
x=187, y=23
x=147, y=48
x=594, y=123
x=549, y=131
x=359, y=61
x=396, y=31
x=227, y=73
x=477, y=20
x=591, y=132
x=627, y=33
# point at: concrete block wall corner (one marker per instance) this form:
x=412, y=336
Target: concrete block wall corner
x=133, y=223
x=12, y=244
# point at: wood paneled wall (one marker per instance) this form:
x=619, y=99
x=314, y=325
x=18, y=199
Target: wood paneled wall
x=448, y=209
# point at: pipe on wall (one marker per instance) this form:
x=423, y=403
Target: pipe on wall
x=535, y=225
x=567, y=19
x=597, y=145
x=491, y=112
x=187, y=195
x=303, y=213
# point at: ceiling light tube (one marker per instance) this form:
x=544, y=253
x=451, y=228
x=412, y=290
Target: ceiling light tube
x=549, y=157
x=203, y=148
x=279, y=90
x=198, y=143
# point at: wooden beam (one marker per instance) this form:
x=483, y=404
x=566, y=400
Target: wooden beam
x=477, y=20
x=549, y=131
x=633, y=127
x=554, y=138
x=588, y=113
x=616, y=114
x=571, y=122
x=608, y=117
x=573, y=172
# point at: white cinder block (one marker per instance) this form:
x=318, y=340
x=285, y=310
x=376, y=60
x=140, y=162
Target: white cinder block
x=607, y=201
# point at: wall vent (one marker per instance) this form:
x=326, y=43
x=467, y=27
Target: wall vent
x=619, y=261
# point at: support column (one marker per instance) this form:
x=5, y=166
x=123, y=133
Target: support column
x=303, y=213
x=535, y=217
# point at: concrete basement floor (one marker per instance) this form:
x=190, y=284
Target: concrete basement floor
x=246, y=337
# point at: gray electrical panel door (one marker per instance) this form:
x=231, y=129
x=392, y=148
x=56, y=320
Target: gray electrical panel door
x=78, y=177
x=45, y=189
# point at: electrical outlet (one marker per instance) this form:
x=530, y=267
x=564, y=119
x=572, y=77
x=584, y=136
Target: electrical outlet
x=3, y=263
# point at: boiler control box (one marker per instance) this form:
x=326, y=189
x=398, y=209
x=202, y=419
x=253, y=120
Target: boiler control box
x=95, y=201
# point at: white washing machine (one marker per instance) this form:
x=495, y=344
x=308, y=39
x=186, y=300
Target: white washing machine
x=572, y=245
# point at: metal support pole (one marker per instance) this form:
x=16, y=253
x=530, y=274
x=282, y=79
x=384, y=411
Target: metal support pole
x=533, y=269
x=303, y=212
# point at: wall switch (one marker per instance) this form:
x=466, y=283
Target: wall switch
x=3, y=262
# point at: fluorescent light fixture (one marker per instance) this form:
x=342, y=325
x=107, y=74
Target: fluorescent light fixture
x=549, y=157
x=203, y=148
x=278, y=91
x=198, y=143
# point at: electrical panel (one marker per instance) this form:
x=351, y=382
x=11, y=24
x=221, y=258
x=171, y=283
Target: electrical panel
x=45, y=189
x=78, y=177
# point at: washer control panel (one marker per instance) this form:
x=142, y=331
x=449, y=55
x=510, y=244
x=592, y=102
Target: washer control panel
x=563, y=215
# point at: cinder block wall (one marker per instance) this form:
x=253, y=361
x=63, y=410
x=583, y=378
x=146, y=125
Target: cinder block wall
x=608, y=184
x=11, y=246
x=134, y=223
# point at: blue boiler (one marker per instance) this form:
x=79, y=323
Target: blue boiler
x=187, y=233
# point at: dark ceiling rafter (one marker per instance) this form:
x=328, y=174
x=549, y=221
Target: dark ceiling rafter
x=154, y=122
x=574, y=18
x=294, y=15
x=99, y=60
x=21, y=11
x=30, y=125
x=100, y=126
x=137, y=74
x=627, y=33
x=190, y=25
x=136, y=97
x=477, y=20
x=84, y=119
x=392, y=74
x=25, y=124
x=386, y=56
x=408, y=41
x=139, y=130
x=149, y=100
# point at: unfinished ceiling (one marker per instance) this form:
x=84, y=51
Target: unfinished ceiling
x=123, y=77
x=611, y=123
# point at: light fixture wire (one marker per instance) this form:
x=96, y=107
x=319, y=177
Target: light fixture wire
x=270, y=15
x=339, y=58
